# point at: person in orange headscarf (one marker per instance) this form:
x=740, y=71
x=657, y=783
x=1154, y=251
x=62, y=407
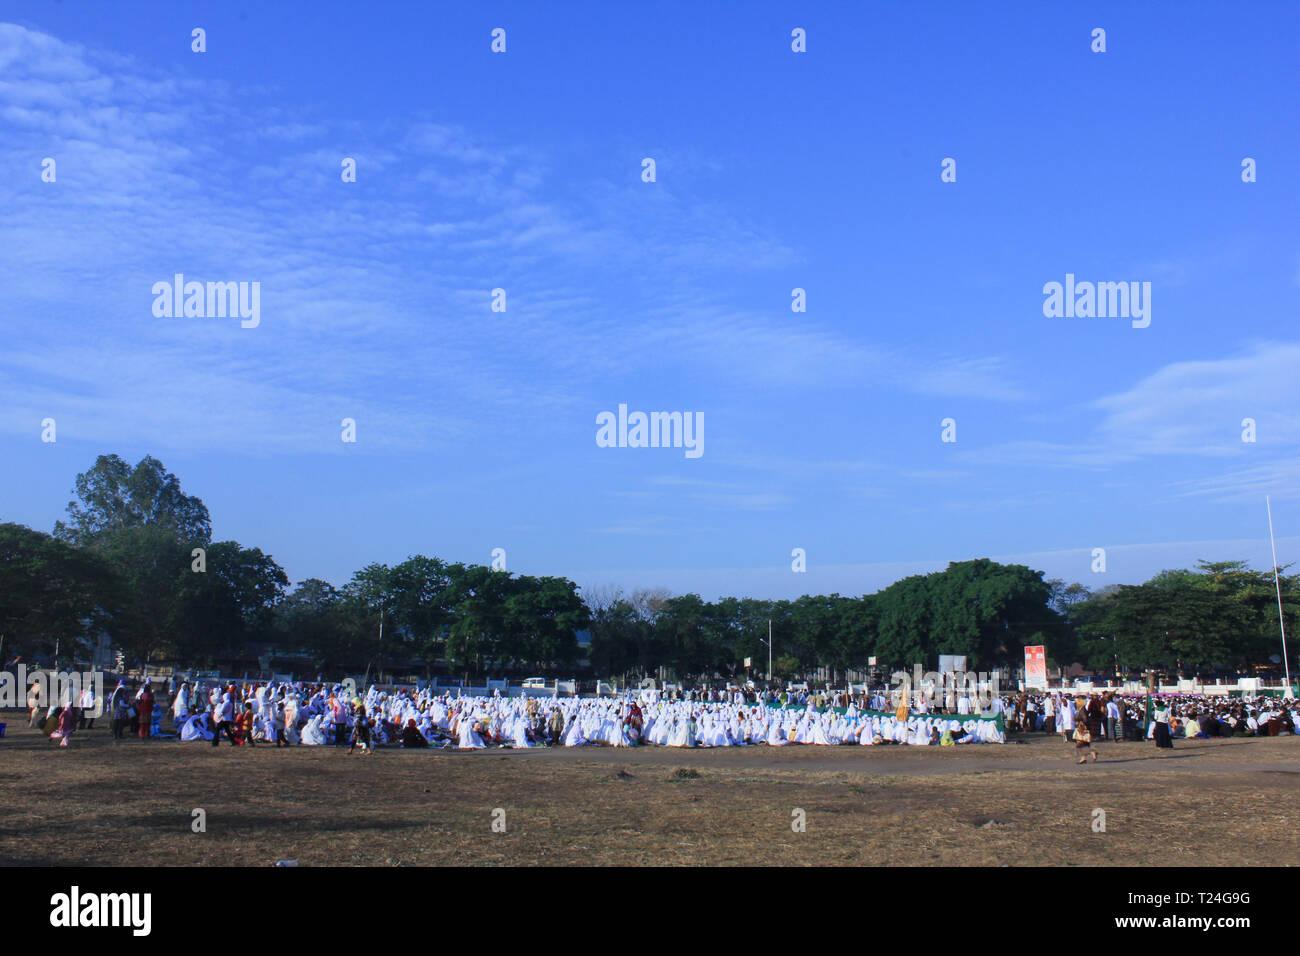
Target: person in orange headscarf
x=244, y=726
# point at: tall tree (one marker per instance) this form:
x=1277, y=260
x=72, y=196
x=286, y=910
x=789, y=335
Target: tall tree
x=112, y=496
x=49, y=591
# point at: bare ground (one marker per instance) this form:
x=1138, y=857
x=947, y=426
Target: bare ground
x=1212, y=802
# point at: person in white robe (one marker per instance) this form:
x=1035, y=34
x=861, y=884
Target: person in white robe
x=680, y=735
x=468, y=737
x=312, y=735
x=573, y=733
x=1065, y=723
x=196, y=727
x=181, y=706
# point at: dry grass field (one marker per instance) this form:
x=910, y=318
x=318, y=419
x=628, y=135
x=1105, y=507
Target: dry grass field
x=1205, y=803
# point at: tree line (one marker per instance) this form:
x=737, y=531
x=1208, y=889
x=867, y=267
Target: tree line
x=134, y=560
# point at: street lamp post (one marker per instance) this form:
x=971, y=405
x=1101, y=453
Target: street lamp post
x=1277, y=584
x=768, y=642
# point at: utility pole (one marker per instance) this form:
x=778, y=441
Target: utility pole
x=768, y=642
x=1278, y=586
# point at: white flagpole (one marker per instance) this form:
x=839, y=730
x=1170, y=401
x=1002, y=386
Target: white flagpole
x=1278, y=586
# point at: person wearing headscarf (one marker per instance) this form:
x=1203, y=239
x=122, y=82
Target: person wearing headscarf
x=468, y=737
x=312, y=734
x=144, y=708
x=86, y=704
x=196, y=727
x=361, y=732
x=181, y=706
x=1164, y=739
x=34, y=704
x=119, y=708
x=411, y=736
x=275, y=725
x=245, y=724
x=224, y=718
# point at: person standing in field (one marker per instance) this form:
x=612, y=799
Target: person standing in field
x=34, y=704
x=144, y=708
x=1066, y=724
x=1164, y=739
x=1114, y=720
x=1096, y=716
x=361, y=732
x=119, y=707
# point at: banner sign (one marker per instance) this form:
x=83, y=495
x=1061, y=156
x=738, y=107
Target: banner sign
x=1035, y=667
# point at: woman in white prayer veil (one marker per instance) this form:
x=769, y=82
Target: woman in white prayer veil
x=650, y=722
x=426, y=728
x=649, y=717
x=867, y=733
x=722, y=735
x=467, y=737
x=680, y=734
x=816, y=730
x=181, y=709
x=312, y=735
x=993, y=735
x=618, y=733
x=438, y=714
x=900, y=731
x=850, y=730
x=573, y=736
x=776, y=735
x=605, y=728
x=657, y=727
x=708, y=735
x=196, y=727
x=840, y=728
x=520, y=733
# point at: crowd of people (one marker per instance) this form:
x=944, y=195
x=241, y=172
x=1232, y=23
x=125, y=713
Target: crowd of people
x=285, y=714
x=1162, y=717
x=290, y=714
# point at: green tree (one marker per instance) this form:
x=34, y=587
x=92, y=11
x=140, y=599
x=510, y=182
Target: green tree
x=112, y=497
x=49, y=590
x=216, y=612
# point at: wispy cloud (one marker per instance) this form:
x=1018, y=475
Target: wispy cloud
x=1189, y=409
x=371, y=291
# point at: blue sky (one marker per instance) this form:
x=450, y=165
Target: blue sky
x=775, y=170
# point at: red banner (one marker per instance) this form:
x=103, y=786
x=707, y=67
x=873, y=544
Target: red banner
x=1035, y=667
